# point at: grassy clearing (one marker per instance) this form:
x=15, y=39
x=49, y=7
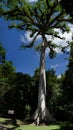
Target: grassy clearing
x=2, y=119
x=31, y=127
x=62, y=126
x=21, y=126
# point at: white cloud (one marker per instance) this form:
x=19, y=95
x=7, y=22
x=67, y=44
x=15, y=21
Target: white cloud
x=47, y=50
x=67, y=36
x=63, y=43
x=59, y=76
x=26, y=37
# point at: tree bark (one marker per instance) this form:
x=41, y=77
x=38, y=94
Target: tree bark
x=42, y=114
x=42, y=87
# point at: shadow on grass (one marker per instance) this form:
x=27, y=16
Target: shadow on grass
x=9, y=122
x=62, y=126
x=66, y=126
x=5, y=128
x=4, y=125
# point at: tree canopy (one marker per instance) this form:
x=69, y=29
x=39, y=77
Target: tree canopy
x=40, y=18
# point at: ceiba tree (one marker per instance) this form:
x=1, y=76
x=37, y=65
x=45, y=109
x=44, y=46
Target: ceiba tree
x=43, y=18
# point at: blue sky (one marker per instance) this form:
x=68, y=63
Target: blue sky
x=27, y=61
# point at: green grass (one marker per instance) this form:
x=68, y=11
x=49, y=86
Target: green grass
x=21, y=126
x=7, y=123
x=2, y=119
x=31, y=127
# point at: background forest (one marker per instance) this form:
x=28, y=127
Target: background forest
x=19, y=91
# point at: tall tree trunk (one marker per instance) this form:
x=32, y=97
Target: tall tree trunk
x=42, y=87
x=42, y=114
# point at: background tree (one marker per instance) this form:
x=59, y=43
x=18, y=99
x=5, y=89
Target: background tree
x=23, y=94
x=40, y=18
x=2, y=54
x=68, y=81
x=67, y=86
x=53, y=92
x=6, y=68
x=34, y=90
x=7, y=76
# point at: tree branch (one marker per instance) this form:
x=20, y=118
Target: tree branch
x=19, y=12
x=55, y=19
x=30, y=44
x=65, y=20
x=49, y=13
x=57, y=36
x=47, y=3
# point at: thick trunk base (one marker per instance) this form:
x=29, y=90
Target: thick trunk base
x=43, y=117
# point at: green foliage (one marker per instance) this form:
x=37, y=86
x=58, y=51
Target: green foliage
x=20, y=93
x=6, y=71
x=27, y=111
x=54, y=92
x=2, y=53
x=71, y=57
x=67, y=88
x=52, y=53
x=7, y=76
x=68, y=80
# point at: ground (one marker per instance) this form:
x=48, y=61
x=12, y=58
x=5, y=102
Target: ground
x=6, y=124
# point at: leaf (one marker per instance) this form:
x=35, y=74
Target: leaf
x=52, y=53
x=38, y=47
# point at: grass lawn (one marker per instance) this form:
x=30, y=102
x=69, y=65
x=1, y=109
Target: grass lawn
x=31, y=127
x=21, y=126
